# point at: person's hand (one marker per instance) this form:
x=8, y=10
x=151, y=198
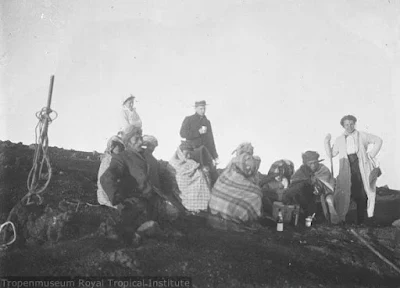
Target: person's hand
x=285, y=183
x=328, y=138
x=313, y=180
x=147, y=191
x=120, y=206
x=203, y=129
x=216, y=161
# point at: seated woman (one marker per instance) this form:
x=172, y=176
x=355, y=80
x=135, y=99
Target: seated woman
x=192, y=180
x=114, y=146
x=311, y=181
x=275, y=182
x=236, y=196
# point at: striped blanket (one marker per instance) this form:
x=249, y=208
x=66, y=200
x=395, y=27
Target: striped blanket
x=235, y=196
x=192, y=182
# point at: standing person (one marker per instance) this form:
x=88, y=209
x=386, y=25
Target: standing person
x=129, y=116
x=355, y=166
x=197, y=131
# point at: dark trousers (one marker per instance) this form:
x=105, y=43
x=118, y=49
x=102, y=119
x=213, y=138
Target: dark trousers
x=203, y=156
x=301, y=193
x=357, y=188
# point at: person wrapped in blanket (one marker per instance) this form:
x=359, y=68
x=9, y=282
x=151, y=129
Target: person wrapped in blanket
x=275, y=182
x=114, y=147
x=236, y=196
x=311, y=181
x=192, y=179
x=127, y=185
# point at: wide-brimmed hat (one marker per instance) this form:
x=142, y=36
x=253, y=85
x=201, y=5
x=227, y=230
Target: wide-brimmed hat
x=310, y=156
x=200, y=103
x=131, y=97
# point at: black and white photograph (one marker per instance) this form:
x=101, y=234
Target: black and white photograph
x=199, y=143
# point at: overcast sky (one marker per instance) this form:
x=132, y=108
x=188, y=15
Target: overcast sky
x=279, y=74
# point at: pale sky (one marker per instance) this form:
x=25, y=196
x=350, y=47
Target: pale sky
x=279, y=74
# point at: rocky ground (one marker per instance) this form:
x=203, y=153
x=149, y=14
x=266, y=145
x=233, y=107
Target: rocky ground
x=70, y=240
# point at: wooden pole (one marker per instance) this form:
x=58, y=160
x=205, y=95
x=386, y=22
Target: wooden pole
x=330, y=158
x=383, y=258
x=48, y=109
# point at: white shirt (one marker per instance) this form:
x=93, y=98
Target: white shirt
x=130, y=117
x=351, y=144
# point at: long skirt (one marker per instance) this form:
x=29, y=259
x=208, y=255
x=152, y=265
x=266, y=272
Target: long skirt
x=357, y=188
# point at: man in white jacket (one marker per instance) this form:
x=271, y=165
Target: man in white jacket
x=356, y=164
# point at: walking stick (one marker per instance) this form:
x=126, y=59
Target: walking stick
x=383, y=258
x=330, y=154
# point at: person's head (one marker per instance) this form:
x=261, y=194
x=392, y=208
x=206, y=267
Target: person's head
x=311, y=159
x=348, y=122
x=117, y=148
x=200, y=107
x=128, y=103
x=248, y=164
x=186, y=149
x=115, y=145
x=132, y=138
x=150, y=142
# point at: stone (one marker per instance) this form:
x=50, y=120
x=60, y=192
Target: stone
x=396, y=223
x=122, y=258
x=149, y=229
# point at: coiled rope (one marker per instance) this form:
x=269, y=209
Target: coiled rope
x=40, y=160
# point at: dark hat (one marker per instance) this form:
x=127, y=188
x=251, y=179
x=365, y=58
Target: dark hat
x=310, y=156
x=127, y=99
x=348, y=117
x=200, y=103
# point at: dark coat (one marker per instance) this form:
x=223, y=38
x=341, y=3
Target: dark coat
x=154, y=169
x=190, y=131
x=126, y=177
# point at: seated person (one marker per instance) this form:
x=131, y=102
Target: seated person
x=236, y=196
x=275, y=182
x=114, y=147
x=311, y=181
x=172, y=203
x=191, y=179
x=149, y=144
x=126, y=183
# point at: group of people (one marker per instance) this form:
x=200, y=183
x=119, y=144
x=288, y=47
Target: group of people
x=129, y=176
